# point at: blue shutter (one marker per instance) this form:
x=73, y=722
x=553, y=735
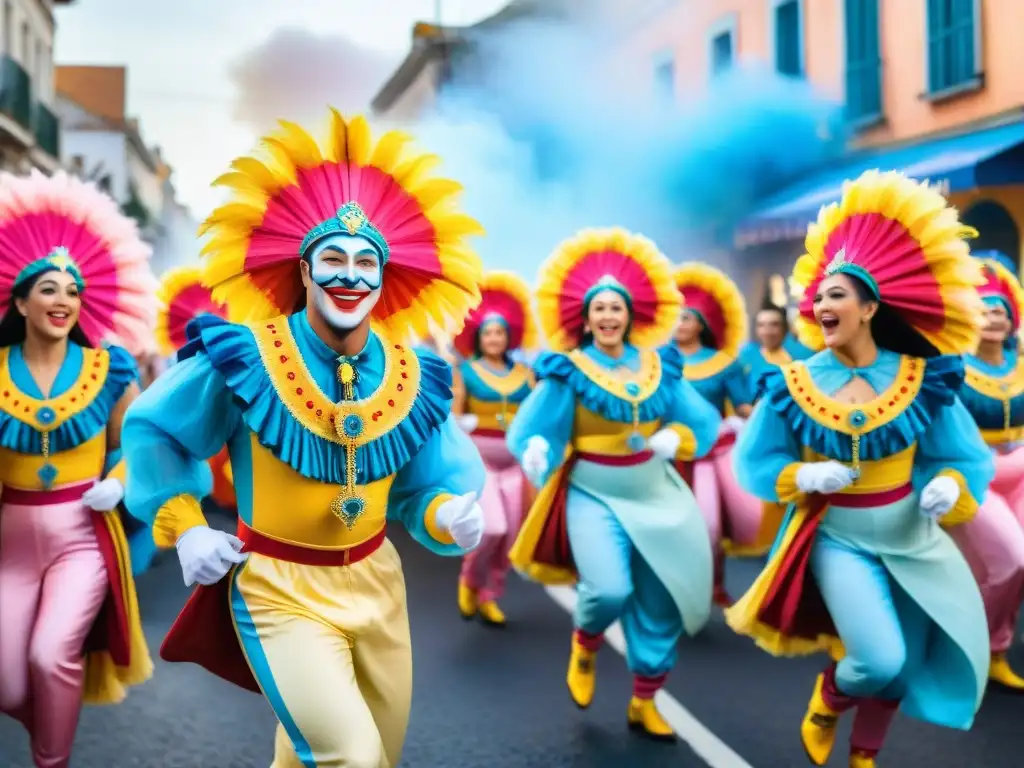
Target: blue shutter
x=787, y=38
x=863, y=62
x=721, y=52
x=951, y=43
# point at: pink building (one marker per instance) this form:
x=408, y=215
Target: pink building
x=931, y=87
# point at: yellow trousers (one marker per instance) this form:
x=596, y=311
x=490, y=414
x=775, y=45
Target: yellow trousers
x=330, y=649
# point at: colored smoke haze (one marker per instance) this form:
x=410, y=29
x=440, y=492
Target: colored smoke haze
x=546, y=143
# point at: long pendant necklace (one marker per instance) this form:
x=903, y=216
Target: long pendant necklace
x=348, y=505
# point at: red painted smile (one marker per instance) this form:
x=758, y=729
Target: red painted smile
x=346, y=300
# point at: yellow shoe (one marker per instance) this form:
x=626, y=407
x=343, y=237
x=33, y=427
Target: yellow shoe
x=862, y=761
x=645, y=719
x=467, y=601
x=580, y=677
x=1000, y=671
x=492, y=614
x=818, y=729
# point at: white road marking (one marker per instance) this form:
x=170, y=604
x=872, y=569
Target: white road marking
x=711, y=749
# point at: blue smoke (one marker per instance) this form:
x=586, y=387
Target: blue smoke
x=548, y=138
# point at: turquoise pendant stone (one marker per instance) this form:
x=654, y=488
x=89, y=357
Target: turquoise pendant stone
x=47, y=474
x=636, y=442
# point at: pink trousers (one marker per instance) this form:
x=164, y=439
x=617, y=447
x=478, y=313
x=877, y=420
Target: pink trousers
x=52, y=585
x=729, y=511
x=486, y=567
x=993, y=544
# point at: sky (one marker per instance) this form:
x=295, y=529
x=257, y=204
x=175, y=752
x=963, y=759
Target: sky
x=204, y=76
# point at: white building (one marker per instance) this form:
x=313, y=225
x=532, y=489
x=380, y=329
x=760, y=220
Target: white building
x=101, y=143
x=29, y=131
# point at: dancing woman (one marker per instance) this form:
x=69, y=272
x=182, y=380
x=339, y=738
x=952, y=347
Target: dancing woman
x=492, y=388
x=869, y=444
x=712, y=326
x=598, y=435
x=993, y=392
x=70, y=631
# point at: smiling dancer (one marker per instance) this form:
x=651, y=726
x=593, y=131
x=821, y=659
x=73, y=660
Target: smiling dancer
x=180, y=300
x=598, y=435
x=333, y=428
x=493, y=387
x=993, y=391
x=74, y=273
x=712, y=326
x=869, y=443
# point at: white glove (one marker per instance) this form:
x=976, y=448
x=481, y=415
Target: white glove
x=939, y=496
x=467, y=422
x=664, y=443
x=463, y=519
x=207, y=554
x=732, y=424
x=104, y=496
x=535, y=459
x=823, y=477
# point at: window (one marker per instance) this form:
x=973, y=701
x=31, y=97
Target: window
x=788, y=37
x=863, y=63
x=722, y=45
x=953, y=44
x=665, y=76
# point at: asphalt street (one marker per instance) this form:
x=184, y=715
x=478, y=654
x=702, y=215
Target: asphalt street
x=496, y=698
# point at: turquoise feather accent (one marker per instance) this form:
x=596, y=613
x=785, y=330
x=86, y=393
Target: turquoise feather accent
x=941, y=379
x=479, y=390
x=20, y=437
x=557, y=366
x=232, y=350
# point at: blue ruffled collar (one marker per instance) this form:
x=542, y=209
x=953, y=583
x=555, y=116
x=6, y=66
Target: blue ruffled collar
x=602, y=400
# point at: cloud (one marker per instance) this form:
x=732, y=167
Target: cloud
x=295, y=74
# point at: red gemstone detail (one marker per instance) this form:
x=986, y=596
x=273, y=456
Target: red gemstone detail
x=405, y=375
x=799, y=389
x=391, y=403
x=94, y=376
x=96, y=364
x=904, y=390
x=400, y=387
x=375, y=416
x=892, y=403
x=278, y=343
x=319, y=412
x=402, y=361
x=7, y=393
x=298, y=390
x=911, y=378
x=835, y=417
x=398, y=347
x=291, y=376
x=821, y=410
x=27, y=410
x=309, y=404
x=270, y=325
x=273, y=331
x=881, y=411
x=284, y=358
x=73, y=399
x=17, y=402
x=85, y=387
x=62, y=409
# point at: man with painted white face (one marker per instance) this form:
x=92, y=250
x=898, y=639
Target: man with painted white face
x=333, y=427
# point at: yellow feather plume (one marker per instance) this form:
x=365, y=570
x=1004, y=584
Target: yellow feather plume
x=726, y=293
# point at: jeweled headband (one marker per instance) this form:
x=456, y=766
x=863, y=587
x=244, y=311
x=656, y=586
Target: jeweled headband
x=840, y=266
x=58, y=260
x=608, y=283
x=349, y=220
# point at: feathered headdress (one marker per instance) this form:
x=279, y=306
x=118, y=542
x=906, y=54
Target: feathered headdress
x=1002, y=286
x=905, y=243
x=505, y=299
x=612, y=259
x=60, y=223
x=710, y=293
x=300, y=190
x=181, y=298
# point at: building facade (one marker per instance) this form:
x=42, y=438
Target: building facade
x=29, y=129
x=103, y=144
x=930, y=87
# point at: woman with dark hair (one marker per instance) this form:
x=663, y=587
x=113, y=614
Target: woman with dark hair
x=492, y=387
x=598, y=436
x=70, y=631
x=993, y=392
x=711, y=330
x=875, y=454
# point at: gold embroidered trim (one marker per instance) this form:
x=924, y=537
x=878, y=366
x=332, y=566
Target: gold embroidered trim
x=715, y=364
x=506, y=385
x=90, y=381
x=628, y=386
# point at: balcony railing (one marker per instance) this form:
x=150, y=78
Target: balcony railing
x=46, y=128
x=15, y=92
